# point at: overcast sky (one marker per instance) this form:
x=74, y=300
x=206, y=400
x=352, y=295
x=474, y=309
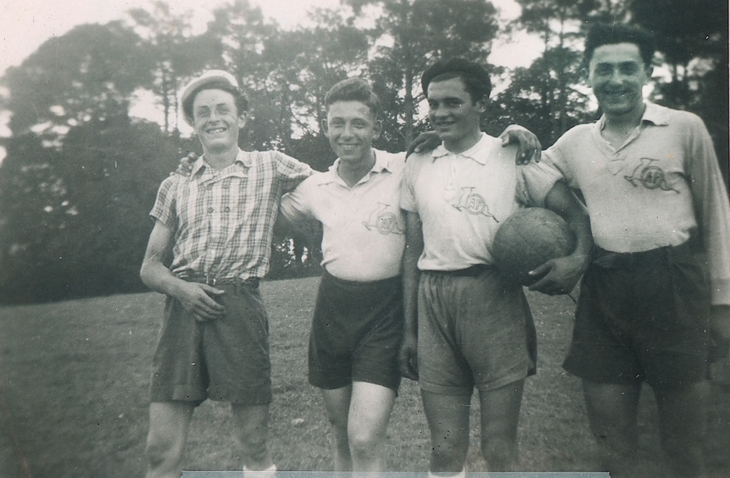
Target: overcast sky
x=26, y=24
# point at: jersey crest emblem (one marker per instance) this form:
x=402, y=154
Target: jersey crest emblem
x=649, y=176
x=384, y=221
x=473, y=203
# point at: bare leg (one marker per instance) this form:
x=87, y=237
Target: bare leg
x=370, y=408
x=500, y=413
x=612, y=412
x=448, y=420
x=252, y=431
x=169, y=425
x=682, y=420
x=337, y=403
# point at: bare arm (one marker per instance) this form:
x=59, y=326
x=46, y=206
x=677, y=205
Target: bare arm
x=185, y=166
x=196, y=298
x=562, y=274
x=528, y=146
x=408, y=358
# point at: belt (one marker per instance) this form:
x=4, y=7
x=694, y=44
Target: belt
x=472, y=271
x=633, y=260
x=249, y=283
x=350, y=283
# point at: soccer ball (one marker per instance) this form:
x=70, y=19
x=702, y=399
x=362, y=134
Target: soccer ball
x=529, y=238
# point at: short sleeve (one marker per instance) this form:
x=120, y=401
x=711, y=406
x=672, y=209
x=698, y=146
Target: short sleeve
x=165, y=206
x=296, y=204
x=410, y=173
x=536, y=179
x=290, y=171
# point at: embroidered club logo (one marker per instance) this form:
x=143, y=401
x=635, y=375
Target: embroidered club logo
x=383, y=221
x=473, y=203
x=649, y=176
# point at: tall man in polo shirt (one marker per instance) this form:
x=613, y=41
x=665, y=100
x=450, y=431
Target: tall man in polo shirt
x=466, y=325
x=217, y=225
x=659, y=214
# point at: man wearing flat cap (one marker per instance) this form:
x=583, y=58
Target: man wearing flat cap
x=216, y=225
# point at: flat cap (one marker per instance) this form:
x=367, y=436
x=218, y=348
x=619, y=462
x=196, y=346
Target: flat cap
x=219, y=77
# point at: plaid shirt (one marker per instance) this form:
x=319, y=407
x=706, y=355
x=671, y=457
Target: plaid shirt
x=224, y=220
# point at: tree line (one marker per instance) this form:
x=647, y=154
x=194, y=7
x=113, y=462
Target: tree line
x=81, y=174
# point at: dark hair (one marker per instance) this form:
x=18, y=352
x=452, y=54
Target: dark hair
x=475, y=77
x=354, y=89
x=604, y=34
x=240, y=98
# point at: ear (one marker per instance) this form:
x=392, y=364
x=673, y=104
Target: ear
x=481, y=104
x=584, y=73
x=377, y=128
x=242, y=119
x=325, y=126
x=649, y=70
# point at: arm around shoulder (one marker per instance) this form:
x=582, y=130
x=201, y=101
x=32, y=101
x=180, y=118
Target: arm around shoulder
x=528, y=145
x=291, y=171
x=297, y=211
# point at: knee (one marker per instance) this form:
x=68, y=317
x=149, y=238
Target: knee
x=155, y=453
x=617, y=452
x=338, y=423
x=364, y=443
x=500, y=453
x=255, y=446
x=448, y=454
x=162, y=451
x=618, y=442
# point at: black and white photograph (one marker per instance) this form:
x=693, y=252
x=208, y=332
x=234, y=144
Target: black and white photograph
x=415, y=238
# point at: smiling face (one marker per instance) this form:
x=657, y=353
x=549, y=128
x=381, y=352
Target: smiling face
x=351, y=130
x=216, y=120
x=617, y=75
x=453, y=114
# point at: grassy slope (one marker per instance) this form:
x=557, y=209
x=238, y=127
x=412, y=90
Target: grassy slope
x=74, y=378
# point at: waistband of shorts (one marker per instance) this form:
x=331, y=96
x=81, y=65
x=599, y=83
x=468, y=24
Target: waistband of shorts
x=472, y=271
x=248, y=283
x=630, y=260
x=351, y=283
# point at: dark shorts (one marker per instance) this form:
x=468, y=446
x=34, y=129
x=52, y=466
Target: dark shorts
x=356, y=334
x=225, y=359
x=642, y=317
x=475, y=329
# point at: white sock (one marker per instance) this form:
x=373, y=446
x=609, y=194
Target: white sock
x=461, y=474
x=267, y=473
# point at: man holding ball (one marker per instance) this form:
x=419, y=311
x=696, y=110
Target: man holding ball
x=467, y=326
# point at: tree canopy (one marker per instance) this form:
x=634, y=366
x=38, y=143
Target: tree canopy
x=81, y=173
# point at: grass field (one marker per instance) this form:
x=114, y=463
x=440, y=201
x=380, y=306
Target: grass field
x=74, y=379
